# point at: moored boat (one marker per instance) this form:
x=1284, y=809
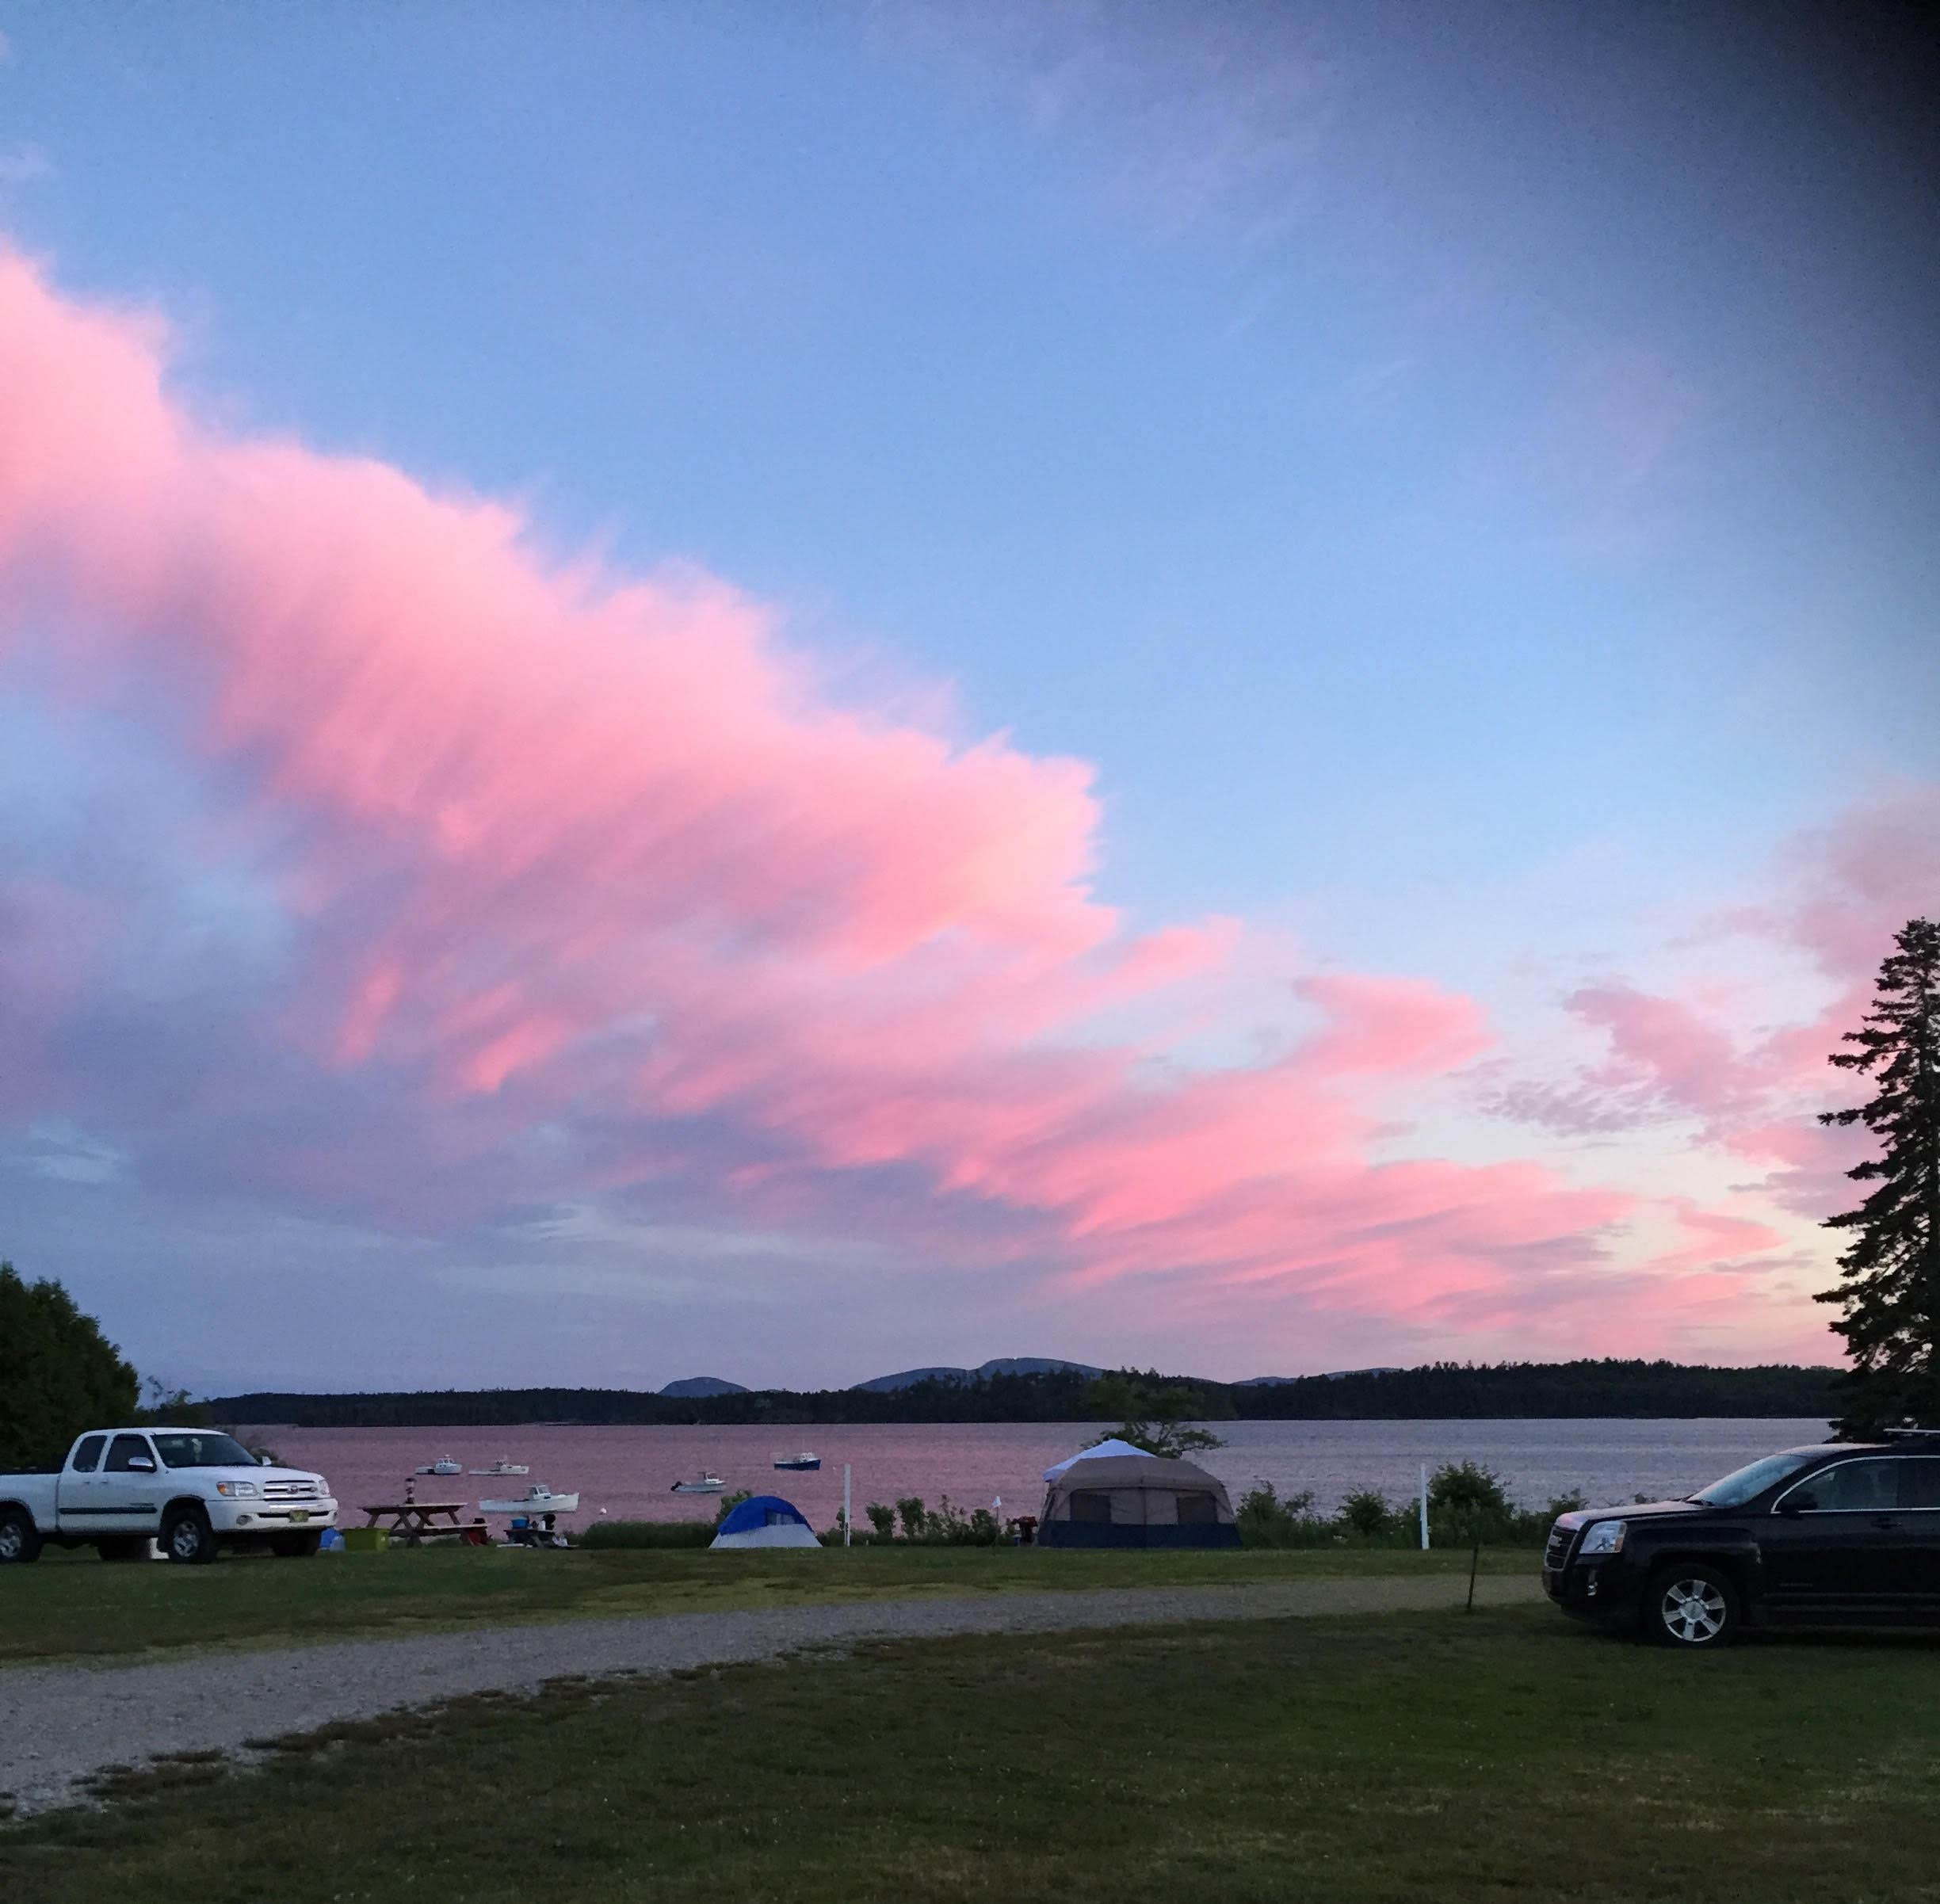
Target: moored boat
x=803, y=1464
x=701, y=1484
x=537, y=1499
x=504, y=1467
x=443, y=1465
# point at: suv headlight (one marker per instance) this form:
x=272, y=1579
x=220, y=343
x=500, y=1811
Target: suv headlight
x=1604, y=1537
x=236, y=1490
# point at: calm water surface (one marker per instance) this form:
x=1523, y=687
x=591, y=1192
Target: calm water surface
x=626, y=1473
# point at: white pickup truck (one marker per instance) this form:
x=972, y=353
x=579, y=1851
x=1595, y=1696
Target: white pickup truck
x=194, y=1490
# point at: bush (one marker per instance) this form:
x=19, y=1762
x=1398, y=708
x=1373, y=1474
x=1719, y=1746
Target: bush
x=944, y=1525
x=1367, y=1511
x=1463, y=1487
x=1265, y=1520
x=648, y=1534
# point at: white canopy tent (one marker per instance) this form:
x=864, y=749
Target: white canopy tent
x=1102, y=1450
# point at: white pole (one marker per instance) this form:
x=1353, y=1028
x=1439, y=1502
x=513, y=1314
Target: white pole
x=1424, y=1506
x=845, y=1473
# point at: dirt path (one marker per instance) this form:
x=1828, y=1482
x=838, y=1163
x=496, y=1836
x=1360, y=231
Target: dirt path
x=60, y=1723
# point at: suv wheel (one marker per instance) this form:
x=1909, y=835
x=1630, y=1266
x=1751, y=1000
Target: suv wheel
x=20, y=1540
x=1691, y=1605
x=187, y=1538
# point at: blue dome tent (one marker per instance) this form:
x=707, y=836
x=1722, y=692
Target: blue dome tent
x=763, y=1521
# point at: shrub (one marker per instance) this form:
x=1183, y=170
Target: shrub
x=648, y=1534
x=730, y=1502
x=944, y=1525
x=1367, y=1511
x=1463, y=1487
x=1265, y=1520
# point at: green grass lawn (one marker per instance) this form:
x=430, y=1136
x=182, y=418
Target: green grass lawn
x=1500, y=1754
x=81, y=1608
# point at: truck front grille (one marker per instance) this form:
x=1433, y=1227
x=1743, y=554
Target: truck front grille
x=290, y=1490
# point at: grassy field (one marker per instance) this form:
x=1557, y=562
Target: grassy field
x=1445, y=1757
x=81, y=1608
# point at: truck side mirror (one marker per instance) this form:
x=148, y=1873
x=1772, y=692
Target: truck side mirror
x=140, y=1464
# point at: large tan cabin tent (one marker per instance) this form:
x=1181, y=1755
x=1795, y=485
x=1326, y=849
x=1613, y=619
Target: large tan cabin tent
x=1134, y=1501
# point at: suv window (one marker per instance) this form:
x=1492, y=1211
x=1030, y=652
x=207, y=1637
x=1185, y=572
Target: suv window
x=87, y=1454
x=1919, y=1482
x=1850, y=1487
x=126, y=1448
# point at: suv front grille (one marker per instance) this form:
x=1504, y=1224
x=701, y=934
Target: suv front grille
x=1557, y=1551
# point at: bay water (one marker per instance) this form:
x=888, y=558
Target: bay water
x=626, y=1474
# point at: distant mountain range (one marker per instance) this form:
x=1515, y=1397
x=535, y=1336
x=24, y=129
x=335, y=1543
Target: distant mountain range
x=1332, y=1374
x=693, y=1388
x=1043, y=1389
x=1004, y=1365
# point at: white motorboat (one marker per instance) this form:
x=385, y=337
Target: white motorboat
x=443, y=1465
x=504, y=1467
x=538, y=1499
x=804, y=1463
x=702, y=1484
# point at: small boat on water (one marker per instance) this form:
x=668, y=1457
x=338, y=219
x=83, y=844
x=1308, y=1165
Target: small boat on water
x=538, y=1499
x=504, y=1467
x=703, y=1484
x=443, y=1465
x=803, y=1464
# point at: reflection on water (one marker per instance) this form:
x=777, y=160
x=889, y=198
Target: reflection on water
x=627, y=1472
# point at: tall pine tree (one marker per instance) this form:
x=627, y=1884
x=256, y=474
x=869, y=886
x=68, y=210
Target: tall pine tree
x=1889, y=1283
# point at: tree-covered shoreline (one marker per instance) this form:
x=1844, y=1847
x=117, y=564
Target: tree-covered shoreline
x=1438, y=1391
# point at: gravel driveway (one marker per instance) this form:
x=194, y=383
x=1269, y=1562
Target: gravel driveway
x=60, y=1724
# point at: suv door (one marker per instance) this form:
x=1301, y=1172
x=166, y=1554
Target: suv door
x=1836, y=1544
x=129, y=1493
x=1920, y=1508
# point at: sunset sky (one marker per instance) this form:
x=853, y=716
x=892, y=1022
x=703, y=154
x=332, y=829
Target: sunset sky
x=784, y=691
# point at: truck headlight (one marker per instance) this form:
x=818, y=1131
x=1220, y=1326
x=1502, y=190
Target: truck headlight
x=1604, y=1537
x=236, y=1490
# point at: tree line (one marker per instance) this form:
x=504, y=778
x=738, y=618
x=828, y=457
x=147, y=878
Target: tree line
x=1443, y=1391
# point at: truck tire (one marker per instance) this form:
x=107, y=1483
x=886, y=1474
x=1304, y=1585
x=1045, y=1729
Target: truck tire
x=1691, y=1606
x=122, y=1546
x=295, y=1547
x=187, y=1537
x=20, y=1540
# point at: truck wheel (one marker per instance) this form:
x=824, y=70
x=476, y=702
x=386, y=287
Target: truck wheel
x=20, y=1540
x=1691, y=1605
x=186, y=1537
x=122, y=1546
x=295, y=1547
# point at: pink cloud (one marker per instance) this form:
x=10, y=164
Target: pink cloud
x=559, y=845
x=1753, y=1090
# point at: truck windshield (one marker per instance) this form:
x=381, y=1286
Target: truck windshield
x=1737, y=1489
x=203, y=1450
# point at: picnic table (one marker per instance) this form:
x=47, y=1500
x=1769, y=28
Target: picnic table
x=411, y=1521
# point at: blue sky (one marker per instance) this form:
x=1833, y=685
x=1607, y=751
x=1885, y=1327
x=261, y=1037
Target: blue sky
x=1463, y=481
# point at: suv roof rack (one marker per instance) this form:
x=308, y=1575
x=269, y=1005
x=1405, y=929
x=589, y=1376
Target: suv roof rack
x=1909, y=1434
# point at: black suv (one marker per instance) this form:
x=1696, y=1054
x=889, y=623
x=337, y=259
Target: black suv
x=1841, y=1533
